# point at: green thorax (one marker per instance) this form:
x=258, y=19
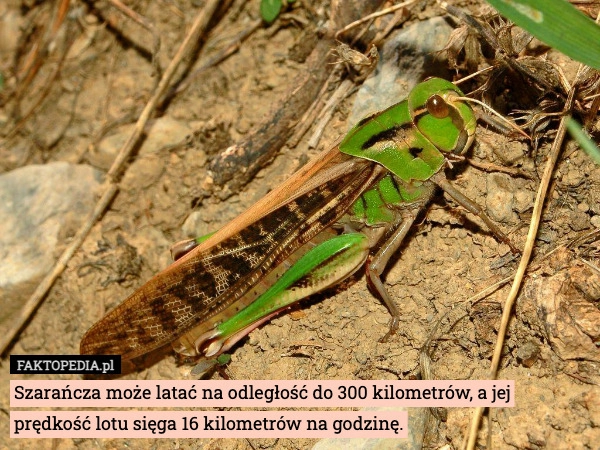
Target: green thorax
x=410, y=138
x=375, y=206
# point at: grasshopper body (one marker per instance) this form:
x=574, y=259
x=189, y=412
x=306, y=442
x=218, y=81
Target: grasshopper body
x=350, y=206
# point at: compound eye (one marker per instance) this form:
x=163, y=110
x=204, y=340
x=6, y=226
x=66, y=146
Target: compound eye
x=437, y=107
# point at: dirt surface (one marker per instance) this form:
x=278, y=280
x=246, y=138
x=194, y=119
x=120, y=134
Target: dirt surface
x=448, y=258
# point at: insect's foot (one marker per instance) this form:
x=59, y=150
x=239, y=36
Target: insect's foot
x=393, y=328
x=513, y=248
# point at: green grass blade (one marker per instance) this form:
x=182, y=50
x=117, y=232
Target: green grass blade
x=558, y=24
x=583, y=140
x=270, y=9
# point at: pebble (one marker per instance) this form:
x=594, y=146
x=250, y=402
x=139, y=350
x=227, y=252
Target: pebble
x=401, y=66
x=500, y=200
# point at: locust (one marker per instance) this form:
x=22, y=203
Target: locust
x=350, y=207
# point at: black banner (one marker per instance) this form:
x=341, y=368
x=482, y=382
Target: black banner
x=65, y=364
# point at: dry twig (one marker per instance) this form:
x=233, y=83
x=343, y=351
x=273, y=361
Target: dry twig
x=527, y=252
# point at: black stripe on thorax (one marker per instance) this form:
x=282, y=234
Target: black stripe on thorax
x=385, y=135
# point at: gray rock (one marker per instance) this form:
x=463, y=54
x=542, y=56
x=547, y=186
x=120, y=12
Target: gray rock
x=408, y=57
x=38, y=203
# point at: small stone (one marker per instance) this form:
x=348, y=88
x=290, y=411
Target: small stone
x=143, y=173
x=361, y=358
x=573, y=178
x=523, y=201
x=195, y=226
x=579, y=221
x=500, y=200
x=528, y=354
x=583, y=207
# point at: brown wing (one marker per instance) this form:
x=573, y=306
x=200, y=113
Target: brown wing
x=213, y=276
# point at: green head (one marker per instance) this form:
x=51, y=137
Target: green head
x=447, y=122
x=410, y=138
